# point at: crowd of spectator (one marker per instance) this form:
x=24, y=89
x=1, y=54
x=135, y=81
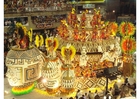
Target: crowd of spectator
x=35, y=5
x=46, y=21
x=13, y=21
x=128, y=8
x=39, y=21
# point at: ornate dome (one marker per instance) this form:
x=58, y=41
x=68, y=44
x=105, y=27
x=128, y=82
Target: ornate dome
x=24, y=66
x=23, y=57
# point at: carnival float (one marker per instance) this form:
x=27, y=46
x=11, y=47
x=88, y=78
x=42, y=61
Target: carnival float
x=83, y=47
x=98, y=45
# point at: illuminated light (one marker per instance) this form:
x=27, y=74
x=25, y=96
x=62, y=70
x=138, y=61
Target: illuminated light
x=56, y=85
x=118, y=80
x=6, y=92
x=104, y=97
x=44, y=80
x=113, y=11
x=80, y=11
x=99, y=7
x=89, y=11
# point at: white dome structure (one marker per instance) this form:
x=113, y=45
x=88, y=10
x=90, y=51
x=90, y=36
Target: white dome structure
x=24, y=66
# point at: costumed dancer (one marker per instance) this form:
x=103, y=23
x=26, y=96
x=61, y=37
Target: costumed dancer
x=51, y=71
x=68, y=75
x=73, y=18
x=83, y=20
x=76, y=32
x=22, y=40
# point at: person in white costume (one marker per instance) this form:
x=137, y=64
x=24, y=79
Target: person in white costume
x=83, y=57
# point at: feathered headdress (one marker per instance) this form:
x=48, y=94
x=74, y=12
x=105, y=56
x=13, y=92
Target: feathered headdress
x=51, y=42
x=114, y=28
x=127, y=29
x=39, y=40
x=128, y=45
x=68, y=50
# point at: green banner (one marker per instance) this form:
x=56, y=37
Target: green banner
x=91, y=1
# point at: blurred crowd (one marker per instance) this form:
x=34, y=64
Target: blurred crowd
x=35, y=5
x=46, y=21
x=51, y=18
x=39, y=21
x=13, y=21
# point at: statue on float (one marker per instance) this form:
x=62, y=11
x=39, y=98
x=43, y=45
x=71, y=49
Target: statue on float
x=83, y=57
x=24, y=62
